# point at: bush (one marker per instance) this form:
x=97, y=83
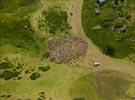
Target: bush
x=5, y=65
x=79, y=98
x=39, y=98
x=9, y=74
x=19, y=78
x=34, y=76
x=26, y=71
x=9, y=96
x=44, y=69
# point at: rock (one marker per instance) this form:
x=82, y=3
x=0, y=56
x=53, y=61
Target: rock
x=97, y=27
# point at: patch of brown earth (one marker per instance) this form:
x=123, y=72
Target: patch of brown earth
x=63, y=50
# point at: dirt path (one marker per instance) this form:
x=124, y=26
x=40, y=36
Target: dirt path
x=93, y=52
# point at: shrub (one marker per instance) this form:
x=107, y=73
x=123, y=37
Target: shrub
x=44, y=69
x=9, y=96
x=9, y=74
x=34, y=76
x=3, y=95
x=27, y=71
x=39, y=98
x=42, y=93
x=5, y=65
x=19, y=78
x=79, y=98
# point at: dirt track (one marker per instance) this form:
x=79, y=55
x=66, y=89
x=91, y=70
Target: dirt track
x=93, y=52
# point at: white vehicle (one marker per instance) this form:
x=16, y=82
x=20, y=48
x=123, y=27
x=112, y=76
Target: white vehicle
x=96, y=64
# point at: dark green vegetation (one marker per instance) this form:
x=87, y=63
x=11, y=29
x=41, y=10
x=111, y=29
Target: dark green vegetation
x=9, y=70
x=6, y=96
x=105, y=85
x=19, y=7
x=5, y=65
x=79, y=98
x=14, y=69
x=42, y=96
x=13, y=32
x=56, y=20
x=115, y=34
x=9, y=74
x=34, y=76
x=44, y=69
x=14, y=4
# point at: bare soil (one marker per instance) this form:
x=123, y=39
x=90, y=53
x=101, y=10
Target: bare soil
x=64, y=50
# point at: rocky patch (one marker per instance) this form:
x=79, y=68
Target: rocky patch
x=65, y=50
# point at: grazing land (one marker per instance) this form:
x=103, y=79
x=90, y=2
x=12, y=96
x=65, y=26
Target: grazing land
x=49, y=50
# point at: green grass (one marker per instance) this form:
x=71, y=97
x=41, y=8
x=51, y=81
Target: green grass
x=83, y=88
x=105, y=35
x=105, y=85
x=13, y=32
x=13, y=5
x=56, y=20
x=16, y=35
x=16, y=41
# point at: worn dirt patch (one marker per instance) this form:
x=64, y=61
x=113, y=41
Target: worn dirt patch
x=64, y=50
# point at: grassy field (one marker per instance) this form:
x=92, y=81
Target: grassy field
x=22, y=73
x=14, y=33
x=105, y=85
x=111, y=42
x=15, y=30
x=17, y=6
x=26, y=73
